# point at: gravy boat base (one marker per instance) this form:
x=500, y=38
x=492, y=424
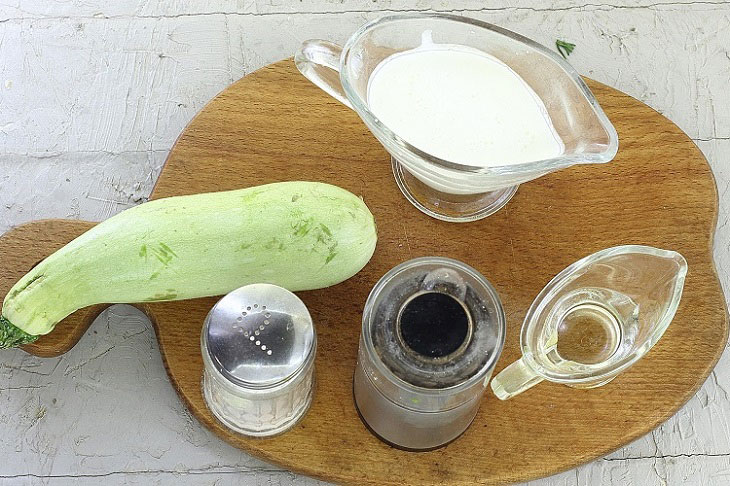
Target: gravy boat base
x=454, y=208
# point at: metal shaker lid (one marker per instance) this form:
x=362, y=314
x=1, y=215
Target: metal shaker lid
x=259, y=336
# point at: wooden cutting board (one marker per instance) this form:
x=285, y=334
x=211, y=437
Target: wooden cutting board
x=273, y=125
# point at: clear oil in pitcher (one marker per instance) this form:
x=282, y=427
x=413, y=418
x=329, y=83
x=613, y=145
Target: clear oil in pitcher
x=590, y=326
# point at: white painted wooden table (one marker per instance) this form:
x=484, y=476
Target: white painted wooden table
x=94, y=93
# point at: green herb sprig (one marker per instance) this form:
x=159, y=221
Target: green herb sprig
x=564, y=48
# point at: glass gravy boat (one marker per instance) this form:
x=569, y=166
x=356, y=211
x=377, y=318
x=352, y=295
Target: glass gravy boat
x=444, y=189
x=596, y=318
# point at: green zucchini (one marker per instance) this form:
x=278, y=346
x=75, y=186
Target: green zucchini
x=299, y=235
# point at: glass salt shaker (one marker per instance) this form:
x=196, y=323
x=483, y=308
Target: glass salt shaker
x=258, y=345
x=432, y=331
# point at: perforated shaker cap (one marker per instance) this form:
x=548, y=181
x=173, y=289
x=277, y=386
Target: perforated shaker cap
x=259, y=336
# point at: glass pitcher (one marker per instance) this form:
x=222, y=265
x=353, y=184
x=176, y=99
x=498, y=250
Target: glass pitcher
x=596, y=318
x=440, y=188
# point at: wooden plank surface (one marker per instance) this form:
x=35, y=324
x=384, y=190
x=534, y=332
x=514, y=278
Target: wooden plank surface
x=274, y=125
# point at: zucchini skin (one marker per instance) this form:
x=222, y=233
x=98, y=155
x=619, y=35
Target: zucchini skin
x=298, y=235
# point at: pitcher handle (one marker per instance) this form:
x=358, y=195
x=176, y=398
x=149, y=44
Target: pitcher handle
x=319, y=61
x=514, y=379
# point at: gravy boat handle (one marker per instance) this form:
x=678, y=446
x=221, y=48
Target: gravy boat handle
x=319, y=61
x=514, y=379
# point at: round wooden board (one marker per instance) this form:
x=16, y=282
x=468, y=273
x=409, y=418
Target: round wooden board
x=273, y=125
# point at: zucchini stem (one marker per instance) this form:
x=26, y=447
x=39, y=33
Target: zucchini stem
x=12, y=336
